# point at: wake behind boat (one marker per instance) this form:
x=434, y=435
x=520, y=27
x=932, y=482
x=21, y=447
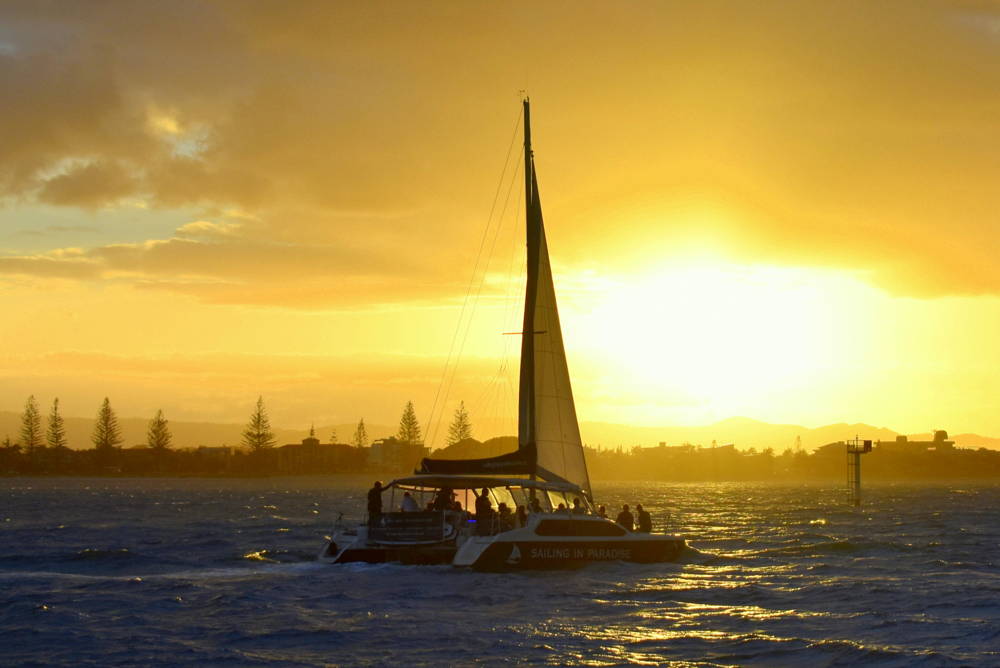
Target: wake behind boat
x=534, y=506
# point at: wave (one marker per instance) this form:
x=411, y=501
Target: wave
x=95, y=554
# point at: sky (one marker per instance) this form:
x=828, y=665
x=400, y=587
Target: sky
x=784, y=210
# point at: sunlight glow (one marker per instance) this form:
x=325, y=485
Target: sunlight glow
x=721, y=332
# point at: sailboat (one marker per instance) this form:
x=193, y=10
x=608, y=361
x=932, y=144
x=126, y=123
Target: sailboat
x=534, y=506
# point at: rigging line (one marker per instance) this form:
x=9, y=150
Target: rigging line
x=479, y=292
x=475, y=268
x=493, y=383
x=482, y=281
x=506, y=398
x=511, y=300
x=507, y=416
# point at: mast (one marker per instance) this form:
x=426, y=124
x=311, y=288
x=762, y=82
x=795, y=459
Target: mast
x=548, y=433
x=526, y=388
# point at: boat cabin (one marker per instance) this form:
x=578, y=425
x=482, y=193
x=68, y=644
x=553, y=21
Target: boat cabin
x=441, y=507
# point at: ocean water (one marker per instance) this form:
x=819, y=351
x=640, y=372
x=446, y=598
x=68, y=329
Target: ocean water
x=210, y=572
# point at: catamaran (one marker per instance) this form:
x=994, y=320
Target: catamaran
x=534, y=506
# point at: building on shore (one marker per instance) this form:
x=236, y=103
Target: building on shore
x=940, y=443
x=311, y=456
x=395, y=456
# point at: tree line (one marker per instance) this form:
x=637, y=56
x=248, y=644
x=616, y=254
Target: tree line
x=44, y=448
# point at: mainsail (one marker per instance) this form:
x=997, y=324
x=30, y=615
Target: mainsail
x=549, y=444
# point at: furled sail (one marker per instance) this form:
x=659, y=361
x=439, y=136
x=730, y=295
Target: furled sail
x=549, y=444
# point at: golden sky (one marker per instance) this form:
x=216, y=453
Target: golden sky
x=786, y=211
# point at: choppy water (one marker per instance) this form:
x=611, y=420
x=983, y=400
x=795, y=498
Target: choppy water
x=222, y=572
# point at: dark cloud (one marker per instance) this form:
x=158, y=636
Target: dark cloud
x=89, y=186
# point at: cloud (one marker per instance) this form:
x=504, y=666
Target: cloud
x=219, y=264
x=853, y=135
x=49, y=267
x=206, y=229
x=89, y=186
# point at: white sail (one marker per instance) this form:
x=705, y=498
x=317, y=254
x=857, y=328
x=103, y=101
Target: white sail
x=557, y=432
x=549, y=445
x=546, y=412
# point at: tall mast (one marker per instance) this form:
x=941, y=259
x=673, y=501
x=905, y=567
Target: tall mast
x=532, y=217
x=528, y=166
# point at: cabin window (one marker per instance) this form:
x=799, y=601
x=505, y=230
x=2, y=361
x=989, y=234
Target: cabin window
x=578, y=527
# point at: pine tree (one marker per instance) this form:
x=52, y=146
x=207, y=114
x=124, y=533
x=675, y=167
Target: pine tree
x=361, y=435
x=56, y=435
x=461, y=427
x=31, y=426
x=333, y=436
x=158, y=435
x=107, y=433
x=409, y=428
x=258, y=435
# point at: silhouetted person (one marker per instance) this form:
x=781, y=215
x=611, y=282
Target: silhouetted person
x=625, y=518
x=374, y=503
x=578, y=508
x=409, y=504
x=484, y=513
x=602, y=512
x=442, y=500
x=536, y=505
x=561, y=508
x=522, y=516
x=506, y=518
x=644, y=521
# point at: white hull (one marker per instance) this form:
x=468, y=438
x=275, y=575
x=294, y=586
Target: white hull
x=548, y=541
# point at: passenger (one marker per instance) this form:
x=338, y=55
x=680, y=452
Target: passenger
x=536, y=505
x=561, y=508
x=522, y=517
x=643, y=519
x=625, y=518
x=374, y=503
x=484, y=514
x=505, y=517
x=602, y=512
x=409, y=504
x=442, y=500
x=578, y=508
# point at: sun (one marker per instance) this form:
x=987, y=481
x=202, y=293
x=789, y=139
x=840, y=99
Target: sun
x=720, y=336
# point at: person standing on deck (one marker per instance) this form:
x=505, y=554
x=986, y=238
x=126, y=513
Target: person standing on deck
x=484, y=513
x=643, y=520
x=374, y=503
x=625, y=518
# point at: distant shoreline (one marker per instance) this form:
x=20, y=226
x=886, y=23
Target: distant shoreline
x=365, y=478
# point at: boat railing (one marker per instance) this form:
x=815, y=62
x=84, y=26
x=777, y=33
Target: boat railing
x=415, y=528
x=494, y=523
